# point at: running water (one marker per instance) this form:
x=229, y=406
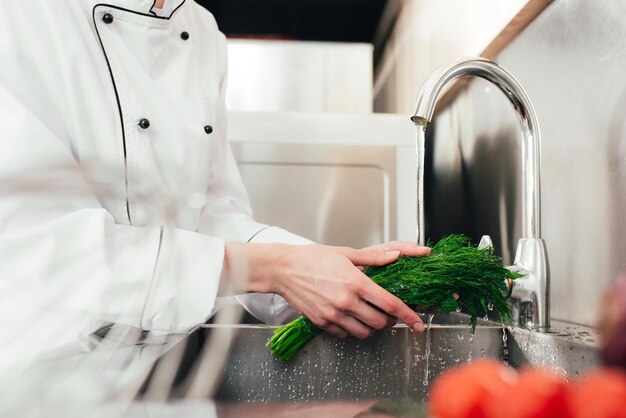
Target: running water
x=471, y=345
x=505, y=344
x=420, y=148
x=428, y=344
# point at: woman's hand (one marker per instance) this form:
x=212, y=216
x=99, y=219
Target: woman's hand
x=325, y=284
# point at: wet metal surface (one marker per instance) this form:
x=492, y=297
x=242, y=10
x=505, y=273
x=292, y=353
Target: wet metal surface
x=567, y=348
x=390, y=365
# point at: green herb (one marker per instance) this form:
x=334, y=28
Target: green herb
x=454, y=266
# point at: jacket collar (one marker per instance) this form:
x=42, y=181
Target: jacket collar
x=139, y=6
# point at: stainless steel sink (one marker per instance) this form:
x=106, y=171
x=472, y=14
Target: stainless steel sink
x=392, y=364
x=389, y=365
x=387, y=374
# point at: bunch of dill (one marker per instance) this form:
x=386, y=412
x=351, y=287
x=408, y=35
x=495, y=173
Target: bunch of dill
x=454, y=266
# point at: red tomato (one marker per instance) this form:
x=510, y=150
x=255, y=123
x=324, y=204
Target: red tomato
x=599, y=394
x=537, y=393
x=460, y=392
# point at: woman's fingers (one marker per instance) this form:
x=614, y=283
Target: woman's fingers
x=359, y=319
x=355, y=327
x=377, y=256
x=380, y=255
x=390, y=304
x=372, y=317
x=343, y=325
x=336, y=331
x=408, y=249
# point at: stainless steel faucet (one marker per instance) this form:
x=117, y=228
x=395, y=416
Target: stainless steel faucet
x=530, y=294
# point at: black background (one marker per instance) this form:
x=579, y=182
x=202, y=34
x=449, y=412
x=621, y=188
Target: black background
x=310, y=20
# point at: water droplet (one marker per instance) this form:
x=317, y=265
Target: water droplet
x=490, y=306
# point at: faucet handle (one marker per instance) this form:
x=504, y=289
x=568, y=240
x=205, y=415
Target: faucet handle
x=485, y=242
x=532, y=291
x=509, y=282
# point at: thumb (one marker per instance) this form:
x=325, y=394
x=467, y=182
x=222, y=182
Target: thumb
x=373, y=256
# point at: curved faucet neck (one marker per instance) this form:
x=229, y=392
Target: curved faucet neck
x=531, y=140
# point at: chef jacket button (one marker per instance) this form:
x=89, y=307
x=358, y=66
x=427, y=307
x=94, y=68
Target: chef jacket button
x=184, y=36
x=208, y=129
x=144, y=123
x=107, y=18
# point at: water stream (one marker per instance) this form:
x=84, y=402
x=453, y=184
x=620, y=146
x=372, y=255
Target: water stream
x=505, y=344
x=428, y=346
x=420, y=147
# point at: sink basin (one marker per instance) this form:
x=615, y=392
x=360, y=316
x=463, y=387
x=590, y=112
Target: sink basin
x=391, y=365
x=389, y=374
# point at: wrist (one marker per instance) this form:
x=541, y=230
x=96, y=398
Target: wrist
x=253, y=267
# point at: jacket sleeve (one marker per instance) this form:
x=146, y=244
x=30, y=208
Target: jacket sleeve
x=228, y=214
x=62, y=254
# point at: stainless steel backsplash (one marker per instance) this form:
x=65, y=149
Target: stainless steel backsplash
x=571, y=60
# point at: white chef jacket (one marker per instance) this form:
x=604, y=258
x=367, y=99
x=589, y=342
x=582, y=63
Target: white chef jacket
x=111, y=88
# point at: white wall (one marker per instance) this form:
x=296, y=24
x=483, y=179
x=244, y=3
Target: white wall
x=430, y=33
x=299, y=76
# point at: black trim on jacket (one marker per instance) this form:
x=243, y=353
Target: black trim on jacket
x=117, y=96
